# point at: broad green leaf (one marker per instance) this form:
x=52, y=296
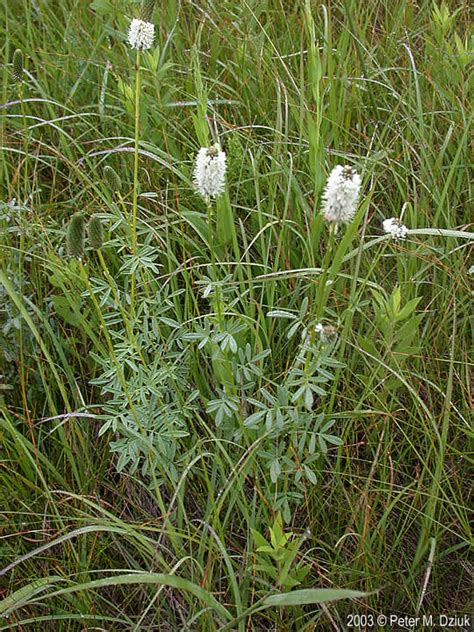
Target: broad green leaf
x=258, y=538
x=312, y=596
x=145, y=578
x=20, y=597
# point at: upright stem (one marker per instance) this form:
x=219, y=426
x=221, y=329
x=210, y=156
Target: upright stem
x=27, y=142
x=211, y=235
x=22, y=205
x=218, y=306
x=135, y=174
x=110, y=344
x=323, y=294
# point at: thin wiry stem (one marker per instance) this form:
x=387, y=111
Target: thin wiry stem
x=22, y=203
x=135, y=174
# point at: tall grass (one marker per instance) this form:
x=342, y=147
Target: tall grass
x=169, y=460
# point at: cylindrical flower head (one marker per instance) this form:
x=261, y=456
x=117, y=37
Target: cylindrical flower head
x=112, y=179
x=141, y=34
x=209, y=171
x=341, y=195
x=18, y=65
x=76, y=235
x=96, y=234
x=395, y=228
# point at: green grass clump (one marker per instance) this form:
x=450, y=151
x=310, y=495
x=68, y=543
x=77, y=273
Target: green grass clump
x=233, y=416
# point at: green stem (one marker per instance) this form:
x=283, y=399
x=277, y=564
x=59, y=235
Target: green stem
x=22, y=199
x=118, y=366
x=123, y=383
x=126, y=320
x=135, y=175
x=325, y=289
x=27, y=141
x=210, y=234
x=323, y=295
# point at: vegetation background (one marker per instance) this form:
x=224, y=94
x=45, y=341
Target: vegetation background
x=173, y=454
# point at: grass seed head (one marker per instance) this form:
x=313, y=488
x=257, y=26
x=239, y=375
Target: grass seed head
x=18, y=65
x=96, y=233
x=112, y=179
x=76, y=236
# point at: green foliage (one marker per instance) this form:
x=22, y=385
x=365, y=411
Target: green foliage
x=395, y=337
x=210, y=372
x=276, y=559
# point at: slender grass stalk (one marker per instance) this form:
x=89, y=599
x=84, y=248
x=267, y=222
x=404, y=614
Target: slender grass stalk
x=435, y=488
x=18, y=75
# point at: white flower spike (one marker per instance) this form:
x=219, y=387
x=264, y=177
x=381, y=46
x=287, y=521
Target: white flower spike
x=209, y=171
x=141, y=34
x=341, y=195
x=395, y=228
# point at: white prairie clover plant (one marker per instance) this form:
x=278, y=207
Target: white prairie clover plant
x=340, y=200
x=209, y=171
x=209, y=181
x=341, y=195
x=141, y=34
x=395, y=228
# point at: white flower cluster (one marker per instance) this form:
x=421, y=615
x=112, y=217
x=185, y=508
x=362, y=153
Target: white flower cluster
x=395, y=228
x=209, y=172
x=341, y=195
x=141, y=34
x=327, y=333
